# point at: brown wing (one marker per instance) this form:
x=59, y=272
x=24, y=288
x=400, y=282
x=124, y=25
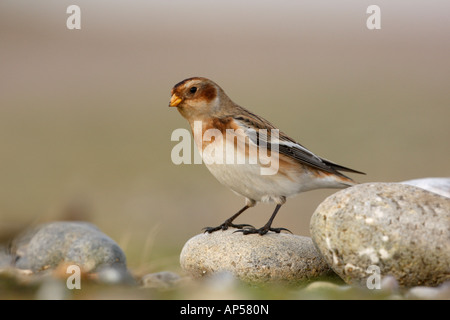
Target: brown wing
x=252, y=123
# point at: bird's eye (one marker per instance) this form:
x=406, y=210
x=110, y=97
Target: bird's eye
x=193, y=90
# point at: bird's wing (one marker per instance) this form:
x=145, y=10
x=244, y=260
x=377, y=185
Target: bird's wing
x=252, y=125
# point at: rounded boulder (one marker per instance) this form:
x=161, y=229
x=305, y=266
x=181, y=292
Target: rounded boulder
x=253, y=258
x=385, y=229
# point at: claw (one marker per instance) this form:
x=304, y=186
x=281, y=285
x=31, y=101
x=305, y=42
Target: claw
x=225, y=226
x=261, y=231
x=278, y=230
x=241, y=226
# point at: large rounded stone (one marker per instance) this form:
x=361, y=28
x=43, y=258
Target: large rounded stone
x=5, y=258
x=386, y=229
x=253, y=258
x=81, y=243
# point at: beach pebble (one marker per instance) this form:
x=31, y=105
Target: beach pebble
x=81, y=243
x=441, y=292
x=6, y=259
x=375, y=230
x=253, y=258
x=162, y=280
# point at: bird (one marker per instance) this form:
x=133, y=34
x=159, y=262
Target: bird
x=206, y=106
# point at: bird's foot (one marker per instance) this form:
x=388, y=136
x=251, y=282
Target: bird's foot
x=225, y=226
x=262, y=231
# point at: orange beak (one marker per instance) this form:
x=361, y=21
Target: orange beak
x=175, y=101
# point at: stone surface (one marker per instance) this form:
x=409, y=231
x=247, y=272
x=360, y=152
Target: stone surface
x=5, y=258
x=81, y=243
x=400, y=229
x=441, y=292
x=114, y=275
x=253, y=258
x=162, y=280
x=437, y=185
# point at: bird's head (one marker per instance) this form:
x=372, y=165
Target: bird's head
x=197, y=97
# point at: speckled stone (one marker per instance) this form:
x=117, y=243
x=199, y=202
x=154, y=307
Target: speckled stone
x=400, y=229
x=5, y=258
x=49, y=245
x=163, y=279
x=253, y=258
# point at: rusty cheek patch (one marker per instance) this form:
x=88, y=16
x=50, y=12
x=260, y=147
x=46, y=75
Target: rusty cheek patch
x=208, y=92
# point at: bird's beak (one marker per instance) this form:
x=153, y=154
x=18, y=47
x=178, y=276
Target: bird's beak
x=175, y=101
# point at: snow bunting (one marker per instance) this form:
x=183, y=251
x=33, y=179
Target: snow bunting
x=207, y=108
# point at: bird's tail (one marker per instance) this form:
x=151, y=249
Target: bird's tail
x=338, y=167
x=343, y=180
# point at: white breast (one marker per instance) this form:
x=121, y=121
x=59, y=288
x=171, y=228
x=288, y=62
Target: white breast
x=241, y=172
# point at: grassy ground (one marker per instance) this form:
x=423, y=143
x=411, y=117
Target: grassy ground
x=218, y=288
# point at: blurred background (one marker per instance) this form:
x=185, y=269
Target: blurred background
x=85, y=128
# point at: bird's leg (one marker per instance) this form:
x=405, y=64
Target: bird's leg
x=267, y=227
x=228, y=223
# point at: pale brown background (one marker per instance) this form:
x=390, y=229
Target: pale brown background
x=85, y=128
